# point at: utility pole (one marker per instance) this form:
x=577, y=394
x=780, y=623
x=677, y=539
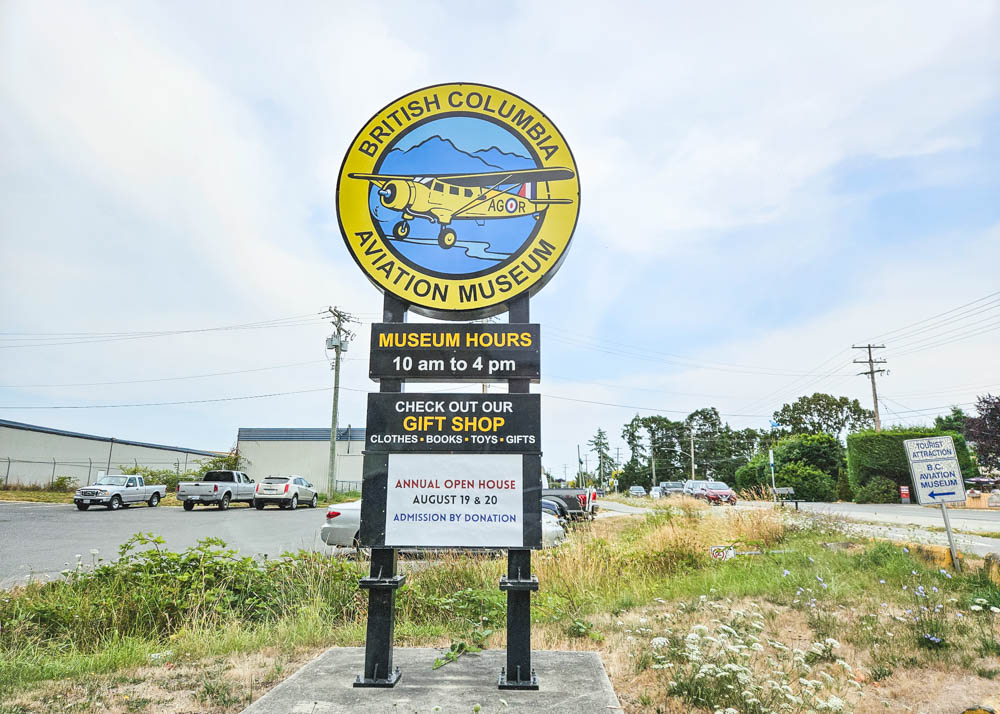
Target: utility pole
x=692, y=455
x=652, y=462
x=579, y=467
x=871, y=362
x=338, y=342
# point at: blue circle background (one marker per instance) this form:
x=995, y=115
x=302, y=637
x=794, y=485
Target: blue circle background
x=446, y=146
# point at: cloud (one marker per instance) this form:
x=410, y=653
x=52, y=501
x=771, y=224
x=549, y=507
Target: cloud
x=173, y=166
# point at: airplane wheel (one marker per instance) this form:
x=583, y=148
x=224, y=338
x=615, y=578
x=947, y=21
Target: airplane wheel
x=447, y=238
x=401, y=229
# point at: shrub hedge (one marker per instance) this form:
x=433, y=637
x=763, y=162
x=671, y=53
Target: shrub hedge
x=821, y=452
x=872, y=455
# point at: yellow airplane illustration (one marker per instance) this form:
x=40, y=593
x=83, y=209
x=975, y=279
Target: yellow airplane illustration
x=443, y=199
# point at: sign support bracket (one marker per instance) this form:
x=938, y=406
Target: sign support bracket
x=383, y=580
x=951, y=539
x=519, y=583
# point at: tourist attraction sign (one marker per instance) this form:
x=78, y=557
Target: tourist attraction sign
x=937, y=476
x=474, y=352
x=458, y=198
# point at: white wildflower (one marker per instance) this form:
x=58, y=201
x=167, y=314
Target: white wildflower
x=659, y=642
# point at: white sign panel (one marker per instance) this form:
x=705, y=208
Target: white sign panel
x=454, y=500
x=936, y=473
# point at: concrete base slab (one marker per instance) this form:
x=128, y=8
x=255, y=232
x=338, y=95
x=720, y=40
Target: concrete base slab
x=569, y=682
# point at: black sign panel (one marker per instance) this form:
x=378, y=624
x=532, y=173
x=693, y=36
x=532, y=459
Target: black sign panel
x=457, y=423
x=473, y=352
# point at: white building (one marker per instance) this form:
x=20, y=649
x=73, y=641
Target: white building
x=37, y=455
x=302, y=452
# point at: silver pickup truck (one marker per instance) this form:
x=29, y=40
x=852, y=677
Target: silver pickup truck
x=219, y=488
x=113, y=492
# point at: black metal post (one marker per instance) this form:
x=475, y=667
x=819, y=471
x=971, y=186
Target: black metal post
x=383, y=581
x=519, y=583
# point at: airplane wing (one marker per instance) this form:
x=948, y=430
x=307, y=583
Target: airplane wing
x=497, y=178
x=381, y=177
x=489, y=179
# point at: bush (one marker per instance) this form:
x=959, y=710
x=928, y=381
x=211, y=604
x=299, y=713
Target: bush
x=821, y=452
x=844, y=491
x=809, y=483
x=155, y=593
x=166, y=477
x=62, y=484
x=878, y=490
x=873, y=455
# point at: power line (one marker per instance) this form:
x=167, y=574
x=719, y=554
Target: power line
x=957, y=338
x=56, y=339
x=933, y=317
x=162, y=379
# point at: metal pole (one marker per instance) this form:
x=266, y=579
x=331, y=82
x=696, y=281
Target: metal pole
x=692, y=455
x=6, y=480
x=110, y=449
x=52, y=480
x=90, y=467
x=332, y=475
x=951, y=539
x=774, y=490
x=383, y=579
x=519, y=583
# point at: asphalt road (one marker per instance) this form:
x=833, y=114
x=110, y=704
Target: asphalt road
x=40, y=540
x=900, y=514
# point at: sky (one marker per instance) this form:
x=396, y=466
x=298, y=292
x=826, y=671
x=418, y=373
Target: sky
x=762, y=186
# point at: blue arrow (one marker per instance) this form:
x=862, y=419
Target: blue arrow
x=935, y=494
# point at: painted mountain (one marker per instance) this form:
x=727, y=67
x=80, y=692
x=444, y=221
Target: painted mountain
x=436, y=155
x=480, y=245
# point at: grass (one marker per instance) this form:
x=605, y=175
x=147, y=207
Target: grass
x=636, y=589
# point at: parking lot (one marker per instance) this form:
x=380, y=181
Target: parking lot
x=40, y=539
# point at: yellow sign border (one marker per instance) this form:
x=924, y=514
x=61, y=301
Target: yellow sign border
x=434, y=295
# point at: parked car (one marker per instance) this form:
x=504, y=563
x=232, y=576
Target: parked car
x=655, y=492
x=694, y=488
x=218, y=488
x=637, y=491
x=600, y=491
x=552, y=531
x=114, y=492
x=285, y=492
x=579, y=502
x=343, y=526
x=717, y=493
x=671, y=488
x=556, y=507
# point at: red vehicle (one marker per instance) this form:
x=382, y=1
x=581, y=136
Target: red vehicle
x=717, y=493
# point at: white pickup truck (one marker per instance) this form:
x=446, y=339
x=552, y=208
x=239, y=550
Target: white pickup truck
x=113, y=492
x=216, y=487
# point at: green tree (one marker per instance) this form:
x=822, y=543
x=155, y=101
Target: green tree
x=632, y=435
x=824, y=413
x=984, y=431
x=955, y=421
x=230, y=461
x=599, y=445
x=820, y=452
x=809, y=482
